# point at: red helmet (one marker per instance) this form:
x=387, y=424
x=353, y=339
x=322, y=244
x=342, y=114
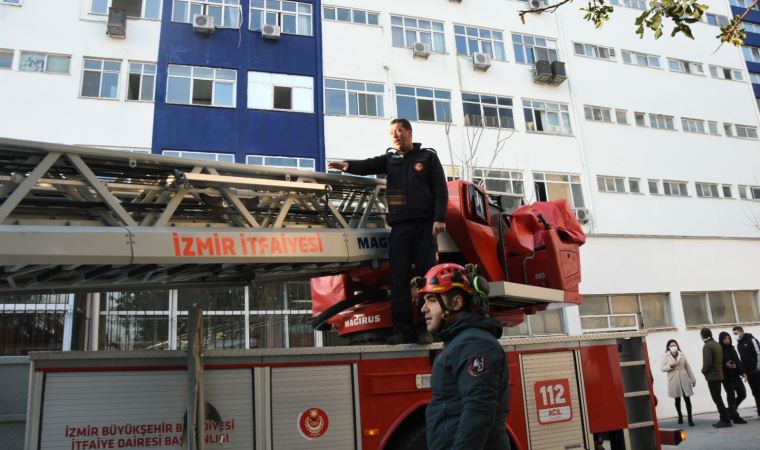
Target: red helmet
x=443, y=278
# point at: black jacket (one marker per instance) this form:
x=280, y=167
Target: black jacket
x=416, y=186
x=470, y=388
x=729, y=354
x=749, y=350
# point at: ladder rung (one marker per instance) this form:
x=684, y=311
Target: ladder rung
x=289, y=186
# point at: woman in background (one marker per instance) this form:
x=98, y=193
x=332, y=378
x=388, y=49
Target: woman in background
x=680, y=378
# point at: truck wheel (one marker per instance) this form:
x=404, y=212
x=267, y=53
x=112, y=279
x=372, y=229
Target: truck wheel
x=413, y=439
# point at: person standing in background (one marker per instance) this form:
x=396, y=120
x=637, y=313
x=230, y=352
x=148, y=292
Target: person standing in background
x=749, y=352
x=680, y=378
x=712, y=369
x=732, y=381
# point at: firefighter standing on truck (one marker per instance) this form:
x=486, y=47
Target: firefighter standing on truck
x=417, y=200
x=470, y=378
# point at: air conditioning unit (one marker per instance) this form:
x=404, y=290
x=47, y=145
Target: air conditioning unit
x=421, y=49
x=542, y=71
x=117, y=23
x=558, y=72
x=203, y=23
x=583, y=215
x=535, y=4
x=510, y=202
x=270, y=32
x=481, y=61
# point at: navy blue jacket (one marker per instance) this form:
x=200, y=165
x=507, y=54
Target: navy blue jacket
x=470, y=388
x=416, y=185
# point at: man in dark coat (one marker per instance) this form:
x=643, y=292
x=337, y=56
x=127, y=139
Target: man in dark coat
x=417, y=201
x=712, y=369
x=732, y=381
x=470, y=377
x=749, y=352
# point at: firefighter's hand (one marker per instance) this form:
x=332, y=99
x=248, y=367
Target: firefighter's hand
x=438, y=227
x=340, y=165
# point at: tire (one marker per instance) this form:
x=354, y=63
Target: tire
x=413, y=439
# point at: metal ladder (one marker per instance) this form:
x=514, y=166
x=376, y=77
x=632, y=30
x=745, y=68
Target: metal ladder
x=78, y=219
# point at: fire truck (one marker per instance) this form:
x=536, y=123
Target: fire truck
x=85, y=219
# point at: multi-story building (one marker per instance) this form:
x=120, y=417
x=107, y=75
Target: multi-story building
x=751, y=48
x=653, y=142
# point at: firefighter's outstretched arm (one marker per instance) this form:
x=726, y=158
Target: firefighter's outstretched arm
x=479, y=368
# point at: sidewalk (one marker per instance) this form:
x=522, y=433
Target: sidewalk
x=703, y=436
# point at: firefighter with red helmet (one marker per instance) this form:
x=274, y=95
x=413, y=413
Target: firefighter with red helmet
x=470, y=399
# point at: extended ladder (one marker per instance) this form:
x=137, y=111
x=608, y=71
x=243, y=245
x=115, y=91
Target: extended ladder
x=77, y=218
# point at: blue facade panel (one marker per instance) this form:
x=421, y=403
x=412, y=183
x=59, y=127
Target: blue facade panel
x=240, y=130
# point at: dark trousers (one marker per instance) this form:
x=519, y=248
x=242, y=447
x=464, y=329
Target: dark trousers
x=753, y=379
x=410, y=242
x=687, y=400
x=717, y=399
x=735, y=392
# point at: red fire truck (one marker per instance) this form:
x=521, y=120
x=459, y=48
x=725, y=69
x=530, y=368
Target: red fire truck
x=88, y=219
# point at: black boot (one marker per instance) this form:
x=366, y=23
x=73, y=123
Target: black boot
x=680, y=419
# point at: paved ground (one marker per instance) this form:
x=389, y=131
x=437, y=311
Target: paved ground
x=703, y=436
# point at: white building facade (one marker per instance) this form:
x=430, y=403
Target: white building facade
x=656, y=140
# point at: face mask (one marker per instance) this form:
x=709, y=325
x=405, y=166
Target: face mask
x=673, y=348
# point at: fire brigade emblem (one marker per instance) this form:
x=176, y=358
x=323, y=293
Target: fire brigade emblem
x=313, y=423
x=476, y=365
x=419, y=167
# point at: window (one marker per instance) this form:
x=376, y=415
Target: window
x=432, y=105
x=654, y=186
x=471, y=40
x=487, y=111
x=728, y=129
x=680, y=65
x=749, y=27
x=712, y=126
x=11, y=2
x=146, y=9
x=498, y=181
x=406, y=31
x=594, y=51
x=721, y=307
x=634, y=185
x=542, y=323
x=226, y=13
x=745, y=131
x=280, y=92
x=751, y=54
x=621, y=116
x=554, y=186
x=6, y=59
x=661, y=122
x=291, y=17
x=727, y=191
x=610, y=184
x=753, y=77
x=545, y=117
x=675, y=188
x=707, y=190
x=206, y=86
x=287, y=162
x=726, y=73
x=744, y=4
x=100, y=78
x=693, y=125
x=354, y=98
x=206, y=156
x=636, y=4
x=598, y=114
x=641, y=59
x=640, y=118
x=624, y=312
x=742, y=191
x=142, y=82
x=717, y=20
x=43, y=62
x=350, y=15
x=529, y=49
x=755, y=192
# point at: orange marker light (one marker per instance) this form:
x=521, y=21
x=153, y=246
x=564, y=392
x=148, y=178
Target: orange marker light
x=683, y=436
x=372, y=432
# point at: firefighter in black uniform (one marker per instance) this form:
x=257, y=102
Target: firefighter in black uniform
x=417, y=200
x=470, y=380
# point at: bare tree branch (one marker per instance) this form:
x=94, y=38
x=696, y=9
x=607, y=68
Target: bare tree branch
x=549, y=8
